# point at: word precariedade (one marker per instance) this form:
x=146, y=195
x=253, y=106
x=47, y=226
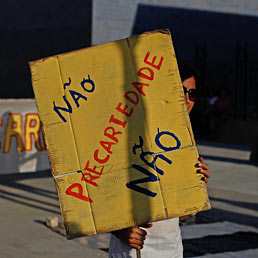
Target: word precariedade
x=103, y=153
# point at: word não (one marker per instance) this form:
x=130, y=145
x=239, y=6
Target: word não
x=133, y=185
x=76, y=96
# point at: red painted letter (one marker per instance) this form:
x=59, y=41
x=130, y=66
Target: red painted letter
x=111, y=136
x=78, y=194
x=144, y=75
x=153, y=61
x=117, y=121
x=139, y=85
x=123, y=111
x=90, y=180
x=101, y=161
x=107, y=146
x=134, y=100
x=93, y=170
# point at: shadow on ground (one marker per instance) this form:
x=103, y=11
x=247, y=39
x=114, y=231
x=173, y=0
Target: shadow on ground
x=13, y=189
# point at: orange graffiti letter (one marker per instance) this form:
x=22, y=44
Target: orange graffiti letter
x=32, y=129
x=13, y=129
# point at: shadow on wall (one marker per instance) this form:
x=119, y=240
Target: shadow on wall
x=221, y=46
x=32, y=30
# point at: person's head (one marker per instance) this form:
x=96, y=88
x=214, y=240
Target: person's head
x=188, y=77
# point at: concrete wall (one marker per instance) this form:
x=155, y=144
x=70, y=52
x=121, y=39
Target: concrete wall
x=114, y=19
x=35, y=29
x=22, y=147
x=217, y=37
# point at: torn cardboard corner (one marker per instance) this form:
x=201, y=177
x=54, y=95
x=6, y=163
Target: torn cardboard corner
x=118, y=134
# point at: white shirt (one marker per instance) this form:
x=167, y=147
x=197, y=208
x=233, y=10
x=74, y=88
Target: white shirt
x=163, y=240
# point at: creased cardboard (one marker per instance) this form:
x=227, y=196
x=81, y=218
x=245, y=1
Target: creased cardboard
x=118, y=134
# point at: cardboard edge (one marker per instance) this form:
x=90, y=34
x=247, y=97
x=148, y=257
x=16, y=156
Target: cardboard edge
x=162, y=31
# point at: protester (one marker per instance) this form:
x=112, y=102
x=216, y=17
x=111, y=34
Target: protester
x=163, y=238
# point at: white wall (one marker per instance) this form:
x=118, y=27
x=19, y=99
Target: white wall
x=113, y=19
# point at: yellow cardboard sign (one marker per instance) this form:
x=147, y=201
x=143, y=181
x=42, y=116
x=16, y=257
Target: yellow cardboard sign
x=118, y=134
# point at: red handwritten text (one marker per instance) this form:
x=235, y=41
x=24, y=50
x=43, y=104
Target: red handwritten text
x=104, y=151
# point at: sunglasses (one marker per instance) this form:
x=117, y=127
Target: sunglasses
x=193, y=93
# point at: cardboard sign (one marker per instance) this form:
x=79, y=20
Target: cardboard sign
x=118, y=134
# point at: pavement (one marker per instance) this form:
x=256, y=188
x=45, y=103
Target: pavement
x=230, y=229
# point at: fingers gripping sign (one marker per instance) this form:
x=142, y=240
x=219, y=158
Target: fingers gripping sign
x=134, y=236
x=203, y=169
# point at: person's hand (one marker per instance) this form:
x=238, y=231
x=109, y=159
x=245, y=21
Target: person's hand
x=133, y=236
x=203, y=169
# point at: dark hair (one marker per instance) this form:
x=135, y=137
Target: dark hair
x=186, y=71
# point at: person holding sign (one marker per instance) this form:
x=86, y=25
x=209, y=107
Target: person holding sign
x=162, y=238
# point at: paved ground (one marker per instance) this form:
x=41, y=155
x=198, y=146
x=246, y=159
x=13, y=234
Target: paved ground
x=230, y=229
